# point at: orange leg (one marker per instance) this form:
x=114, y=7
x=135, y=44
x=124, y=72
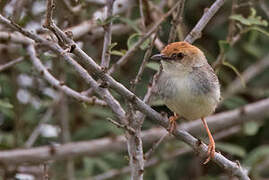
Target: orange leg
x=211, y=145
x=172, y=121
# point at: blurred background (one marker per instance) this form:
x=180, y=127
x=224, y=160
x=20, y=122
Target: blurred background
x=35, y=114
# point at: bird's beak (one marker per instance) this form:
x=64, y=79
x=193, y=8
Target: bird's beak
x=157, y=57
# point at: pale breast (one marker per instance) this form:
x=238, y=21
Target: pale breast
x=193, y=95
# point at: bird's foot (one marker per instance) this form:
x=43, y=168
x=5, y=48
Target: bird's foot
x=210, y=152
x=172, y=123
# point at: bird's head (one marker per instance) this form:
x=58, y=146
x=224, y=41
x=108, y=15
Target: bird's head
x=180, y=54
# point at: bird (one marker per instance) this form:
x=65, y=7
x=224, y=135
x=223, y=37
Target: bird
x=188, y=86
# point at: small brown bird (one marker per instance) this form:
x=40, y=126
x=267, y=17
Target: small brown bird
x=188, y=85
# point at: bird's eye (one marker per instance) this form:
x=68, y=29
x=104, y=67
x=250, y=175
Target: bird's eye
x=174, y=55
x=180, y=55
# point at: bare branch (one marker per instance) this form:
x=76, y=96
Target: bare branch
x=50, y=7
x=209, y=13
x=107, y=36
x=142, y=15
x=177, y=20
x=164, y=157
x=59, y=85
x=10, y=63
x=32, y=138
x=218, y=122
x=143, y=64
x=15, y=37
x=149, y=153
x=125, y=127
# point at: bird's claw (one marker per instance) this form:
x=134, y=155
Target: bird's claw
x=210, y=153
x=172, y=123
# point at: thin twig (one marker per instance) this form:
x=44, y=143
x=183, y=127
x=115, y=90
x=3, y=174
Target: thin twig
x=60, y=85
x=177, y=21
x=247, y=75
x=107, y=36
x=149, y=153
x=34, y=135
x=136, y=46
x=125, y=127
x=65, y=133
x=10, y=64
x=209, y=13
x=50, y=7
x=143, y=64
x=143, y=20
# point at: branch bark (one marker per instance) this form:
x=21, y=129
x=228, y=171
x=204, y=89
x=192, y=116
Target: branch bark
x=107, y=36
x=209, y=13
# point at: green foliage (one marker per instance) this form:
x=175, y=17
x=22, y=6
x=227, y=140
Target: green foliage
x=108, y=20
x=134, y=38
x=224, y=46
x=256, y=156
x=154, y=66
x=252, y=19
x=5, y=104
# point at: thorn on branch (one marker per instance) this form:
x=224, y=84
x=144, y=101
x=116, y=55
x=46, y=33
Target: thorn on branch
x=61, y=83
x=199, y=142
x=69, y=34
x=104, y=69
x=123, y=126
x=238, y=163
x=141, y=171
x=103, y=84
x=133, y=98
x=72, y=48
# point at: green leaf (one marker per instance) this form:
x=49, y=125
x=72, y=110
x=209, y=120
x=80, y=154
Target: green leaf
x=251, y=128
x=256, y=155
x=243, y=83
x=134, y=38
x=252, y=19
x=118, y=53
x=112, y=45
x=5, y=104
x=224, y=46
x=232, y=149
x=153, y=66
x=255, y=28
